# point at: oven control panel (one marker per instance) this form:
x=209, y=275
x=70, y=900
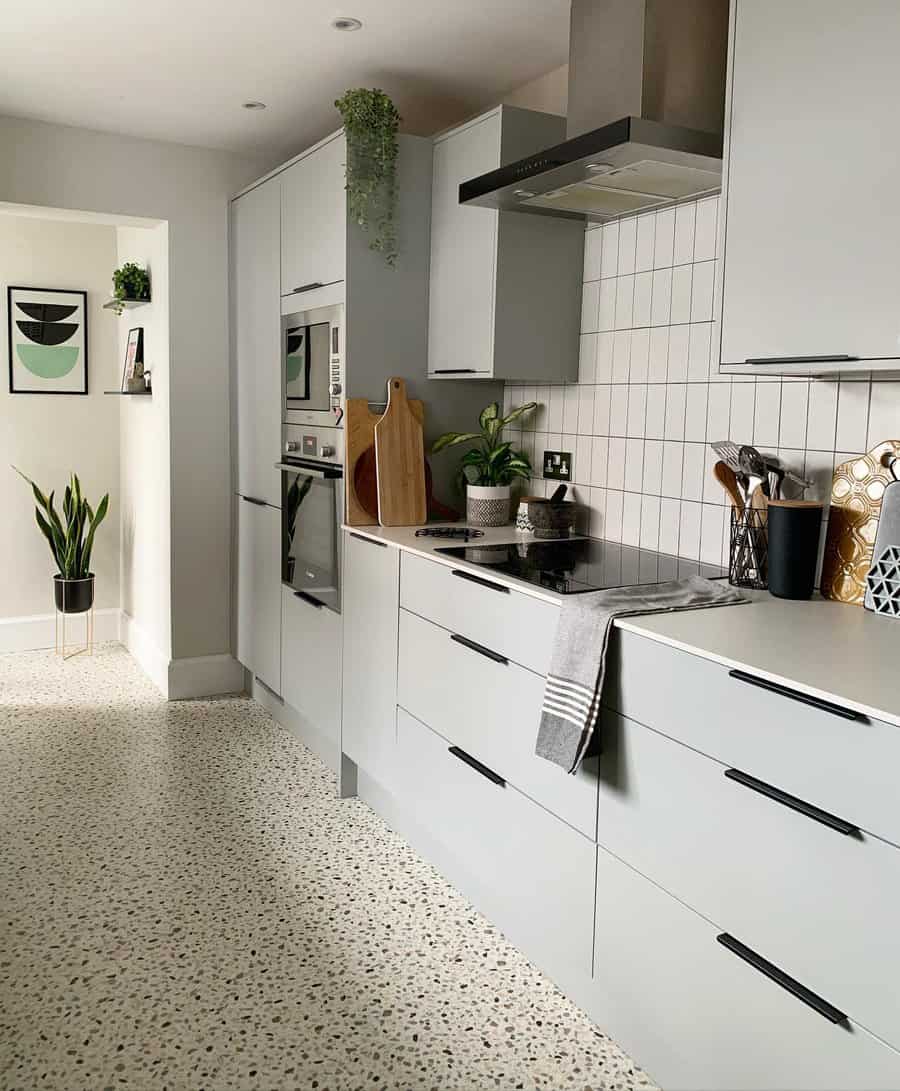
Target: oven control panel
x=314, y=441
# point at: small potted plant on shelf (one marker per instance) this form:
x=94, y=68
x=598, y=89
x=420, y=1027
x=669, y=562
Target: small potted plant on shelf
x=131, y=283
x=72, y=544
x=488, y=469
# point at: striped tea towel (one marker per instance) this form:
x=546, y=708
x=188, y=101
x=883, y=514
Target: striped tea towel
x=578, y=664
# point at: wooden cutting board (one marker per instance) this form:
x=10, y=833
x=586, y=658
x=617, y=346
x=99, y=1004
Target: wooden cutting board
x=359, y=435
x=400, y=460
x=856, y=492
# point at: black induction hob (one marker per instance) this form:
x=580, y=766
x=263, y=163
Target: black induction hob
x=571, y=566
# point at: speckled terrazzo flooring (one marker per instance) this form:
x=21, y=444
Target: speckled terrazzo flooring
x=185, y=904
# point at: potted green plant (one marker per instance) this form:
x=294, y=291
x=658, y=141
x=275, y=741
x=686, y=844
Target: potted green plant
x=72, y=544
x=130, y=282
x=370, y=126
x=488, y=469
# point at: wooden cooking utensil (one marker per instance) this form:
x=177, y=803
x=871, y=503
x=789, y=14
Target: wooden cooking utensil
x=400, y=461
x=727, y=478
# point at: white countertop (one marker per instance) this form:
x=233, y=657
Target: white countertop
x=843, y=654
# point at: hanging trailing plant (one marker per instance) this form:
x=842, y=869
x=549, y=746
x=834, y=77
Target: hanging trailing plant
x=370, y=123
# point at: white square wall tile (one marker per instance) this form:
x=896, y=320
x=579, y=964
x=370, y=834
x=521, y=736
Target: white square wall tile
x=618, y=409
x=590, y=301
x=884, y=412
x=822, y=420
x=695, y=412
x=718, y=411
x=606, y=289
x=794, y=409
x=680, y=311
x=653, y=456
x=615, y=472
x=676, y=397
x=650, y=513
x=639, y=363
x=698, y=350
x=601, y=410
x=585, y=410
x=637, y=409
x=689, y=534
x=599, y=456
x=705, y=232
x=634, y=465
x=621, y=356
x=659, y=354
x=646, y=231
x=679, y=344
x=643, y=295
x=631, y=519
x=587, y=358
x=664, y=239
x=693, y=466
x=685, y=218
x=702, y=291
x=669, y=525
x=767, y=419
x=673, y=465
x=655, y=426
x=624, y=301
x=853, y=416
x=609, y=259
x=661, y=297
x=627, y=245
x=593, y=249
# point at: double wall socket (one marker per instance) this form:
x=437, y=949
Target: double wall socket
x=558, y=465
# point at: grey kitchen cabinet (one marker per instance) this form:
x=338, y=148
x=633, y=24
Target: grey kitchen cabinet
x=255, y=227
x=371, y=591
x=314, y=217
x=311, y=667
x=698, y=1017
x=259, y=590
x=810, y=224
x=505, y=288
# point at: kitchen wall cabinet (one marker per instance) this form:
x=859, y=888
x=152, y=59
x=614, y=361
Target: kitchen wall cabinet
x=256, y=226
x=371, y=596
x=259, y=590
x=810, y=221
x=314, y=217
x=311, y=667
x=505, y=288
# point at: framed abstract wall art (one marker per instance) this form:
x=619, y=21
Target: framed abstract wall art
x=48, y=341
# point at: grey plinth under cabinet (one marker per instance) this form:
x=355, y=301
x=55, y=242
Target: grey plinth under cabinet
x=811, y=222
x=505, y=288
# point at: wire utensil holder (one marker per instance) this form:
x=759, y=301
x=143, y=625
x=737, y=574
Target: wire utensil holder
x=748, y=556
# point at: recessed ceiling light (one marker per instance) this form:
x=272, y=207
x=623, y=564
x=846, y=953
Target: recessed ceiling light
x=254, y=105
x=346, y=22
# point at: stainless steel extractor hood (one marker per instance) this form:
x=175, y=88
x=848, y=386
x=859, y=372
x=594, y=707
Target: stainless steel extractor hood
x=645, y=118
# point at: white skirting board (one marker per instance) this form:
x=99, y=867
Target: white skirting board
x=25, y=634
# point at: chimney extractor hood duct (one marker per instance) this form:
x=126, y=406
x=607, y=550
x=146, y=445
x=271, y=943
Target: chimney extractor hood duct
x=645, y=119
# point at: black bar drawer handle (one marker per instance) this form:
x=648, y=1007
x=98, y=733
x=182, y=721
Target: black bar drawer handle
x=311, y=599
x=254, y=500
x=813, y=1000
x=799, y=805
x=493, y=777
x=308, y=287
x=454, y=371
x=480, y=648
x=837, y=358
x=795, y=695
x=368, y=541
x=481, y=582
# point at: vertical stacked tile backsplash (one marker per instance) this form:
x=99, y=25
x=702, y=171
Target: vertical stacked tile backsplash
x=649, y=397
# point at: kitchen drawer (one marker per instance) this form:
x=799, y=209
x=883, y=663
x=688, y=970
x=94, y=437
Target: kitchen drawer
x=820, y=902
x=529, y=873
x=492, y=710
x=311, y=664
x=699, y=1018
x=466, y=601
x=846, y=766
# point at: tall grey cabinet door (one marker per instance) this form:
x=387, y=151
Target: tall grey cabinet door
x=259, y=591
x=812, y=220
x=371, y=615
x=256, y=314
x=463, y=253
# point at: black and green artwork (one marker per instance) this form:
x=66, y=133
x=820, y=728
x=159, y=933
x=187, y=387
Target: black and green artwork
x=47, y=341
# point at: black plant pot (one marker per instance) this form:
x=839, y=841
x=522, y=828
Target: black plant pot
x=74, y=596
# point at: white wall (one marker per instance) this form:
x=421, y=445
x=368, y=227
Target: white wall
x=70, y=168
x=48, y=436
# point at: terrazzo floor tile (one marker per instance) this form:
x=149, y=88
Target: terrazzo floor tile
x=185, y=904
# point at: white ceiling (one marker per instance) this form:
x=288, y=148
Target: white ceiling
x=180, y=69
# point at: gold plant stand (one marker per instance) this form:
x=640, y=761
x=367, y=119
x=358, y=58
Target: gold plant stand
x=64, y=649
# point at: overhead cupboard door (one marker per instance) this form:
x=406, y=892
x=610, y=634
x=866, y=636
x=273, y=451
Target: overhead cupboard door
x=314, y=218
x=812, y=221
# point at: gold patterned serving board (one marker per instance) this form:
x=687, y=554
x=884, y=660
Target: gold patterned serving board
x=856, y=492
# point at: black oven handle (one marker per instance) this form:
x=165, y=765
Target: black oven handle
x=312, y=468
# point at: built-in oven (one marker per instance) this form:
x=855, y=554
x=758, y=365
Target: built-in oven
x=312, y=506
x=312, y=361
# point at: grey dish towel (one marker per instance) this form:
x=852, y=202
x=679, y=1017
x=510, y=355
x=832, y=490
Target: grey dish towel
x=578, y=664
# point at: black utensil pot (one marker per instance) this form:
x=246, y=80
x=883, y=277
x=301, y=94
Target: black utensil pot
x=795, y=527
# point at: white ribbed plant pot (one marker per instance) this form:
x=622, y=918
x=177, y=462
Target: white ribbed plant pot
x=487, y=505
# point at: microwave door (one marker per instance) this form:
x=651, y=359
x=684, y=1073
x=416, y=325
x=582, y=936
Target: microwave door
x=307, y=366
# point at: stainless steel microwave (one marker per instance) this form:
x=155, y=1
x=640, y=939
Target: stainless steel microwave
x=312, y=366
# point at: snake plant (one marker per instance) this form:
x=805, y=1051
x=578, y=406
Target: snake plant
x=493, y=462
x=72, y=544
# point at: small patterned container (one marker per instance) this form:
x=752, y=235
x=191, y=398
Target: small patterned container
x=523, y=523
